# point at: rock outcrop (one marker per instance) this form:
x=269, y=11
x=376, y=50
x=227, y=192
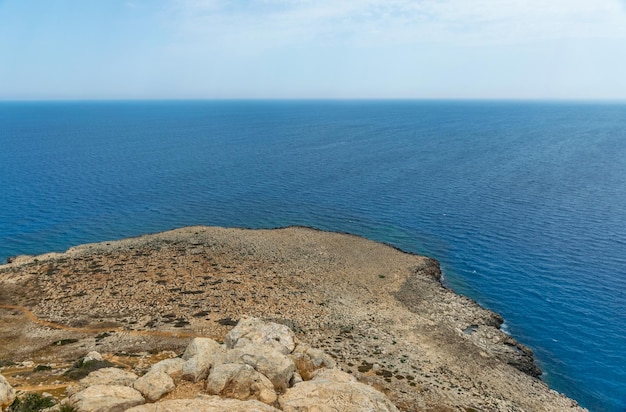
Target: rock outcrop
x=333, y=390
x=255, y=331
x=205, y=404
x=154, y=384
x=104, y=377
x=237, y=381
x=106, y=398
x=7, y=393
x=200, y=355
x=173, y=367
x=253, y=371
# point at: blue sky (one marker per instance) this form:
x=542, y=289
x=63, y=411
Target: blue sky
x=143, y=49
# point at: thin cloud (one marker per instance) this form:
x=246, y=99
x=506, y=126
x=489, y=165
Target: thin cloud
x=274, y=23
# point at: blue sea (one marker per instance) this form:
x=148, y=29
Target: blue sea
x=523, y=203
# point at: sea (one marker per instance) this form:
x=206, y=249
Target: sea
x=523, y=203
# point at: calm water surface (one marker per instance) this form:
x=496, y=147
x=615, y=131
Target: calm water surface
x=524, y=204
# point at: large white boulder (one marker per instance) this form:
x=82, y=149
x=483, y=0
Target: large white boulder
x=199, y=356
x=106, y=398
x=105, y=376
x=332, y=390
x=256, y=331
x=278, y=368
x=232, y=380
x=153, y=385
x=173, y=367
x=197, y=368
x=7, y=393
x=205, y=404
x=201, y=345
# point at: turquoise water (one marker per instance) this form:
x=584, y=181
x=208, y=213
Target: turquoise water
x=524, y=204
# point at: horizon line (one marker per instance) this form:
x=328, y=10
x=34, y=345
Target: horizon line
x=322, y=99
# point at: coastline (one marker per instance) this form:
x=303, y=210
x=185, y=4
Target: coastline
x=382, y=312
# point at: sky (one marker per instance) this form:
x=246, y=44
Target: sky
x=312, y=49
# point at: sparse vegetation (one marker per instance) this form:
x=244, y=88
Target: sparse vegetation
x=83, y=368
x=31, y=402
x=4, y=362
x=63, y=342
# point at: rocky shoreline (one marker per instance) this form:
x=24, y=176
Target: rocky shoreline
x=381, y=313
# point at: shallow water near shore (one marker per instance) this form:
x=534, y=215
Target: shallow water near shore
x=523, y=204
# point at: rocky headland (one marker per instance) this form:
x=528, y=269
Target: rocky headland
x=381, y=314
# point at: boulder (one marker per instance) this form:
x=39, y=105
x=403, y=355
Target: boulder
x=256, y=331
x=105, y=376
x=308, y=360
x=332, y=390
x=278, y=368
x=92, y=356
x=173, y=367
x=201, y=345
x=200, y=355
x=295, y=379
x=106, y=398
x=205, y=404
x=242, y=382
x=197, y=368
x=154, y=384
x=7, y=393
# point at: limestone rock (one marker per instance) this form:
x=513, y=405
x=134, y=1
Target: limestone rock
x=254, y=330
x=241, y=382
x=7, y=393
x=92, y=356
x=278, y=368
x=105, y=376
x=332, y=390
x=197, y=368
x=334, y=375
x=295, y=379
x=205, y=404
x=106, y=398
x=308, y=360
x=201, y=345
x=154, y=384
x=200, y=355
x=173, y=367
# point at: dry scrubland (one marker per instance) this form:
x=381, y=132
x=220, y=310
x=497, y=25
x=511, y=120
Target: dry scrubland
x=382, y=314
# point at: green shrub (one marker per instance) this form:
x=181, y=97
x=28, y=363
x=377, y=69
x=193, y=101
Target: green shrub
x=31, y=402
x=81, y=368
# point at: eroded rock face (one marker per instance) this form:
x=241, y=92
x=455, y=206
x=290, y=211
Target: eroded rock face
x=278, y=368
x=205, y=404
x=105, y=376
x=241, y=382
x=154, y=384
x=332, y=390
x=255, y=331
x=7, y=393
x=308, y=360
x=106, y=398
